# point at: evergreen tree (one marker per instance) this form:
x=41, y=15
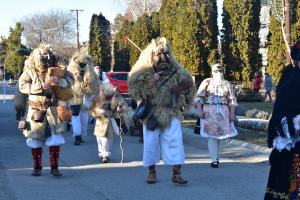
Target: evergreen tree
x=121, y=48
x=230, y=53
x=141, y=35
x=240, y=40
x=179, y=24
x=14, y=60
x=277, y=58
x=295, y=21
x=100, y=41
x=105, y=42
x=208, y=35
x=191, y=27
x=155, y=24
x=94, y=40
x=3, y=51
x=168, y=18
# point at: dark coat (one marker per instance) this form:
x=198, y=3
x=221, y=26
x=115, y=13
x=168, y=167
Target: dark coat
x=287, y=104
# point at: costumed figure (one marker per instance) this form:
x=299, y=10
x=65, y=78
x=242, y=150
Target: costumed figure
x=48, y=89
x=85, y=88
x=216, y=102
x=283, y=137
x=107, y=106
x=102, y=76
x=20, y=99
x=164, y=91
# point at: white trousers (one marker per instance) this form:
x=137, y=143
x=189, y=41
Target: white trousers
x=166, y=142
x=53, y=140
x=213, y=148
x=80, y=123
x=104, y=145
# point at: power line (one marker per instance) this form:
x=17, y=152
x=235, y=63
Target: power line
x=77, y=10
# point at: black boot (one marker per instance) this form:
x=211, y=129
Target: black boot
x=80, y=139
x=77, y=140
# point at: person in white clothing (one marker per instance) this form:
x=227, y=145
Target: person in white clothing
x=165, y=89
x=107, y=106
x=85, y=89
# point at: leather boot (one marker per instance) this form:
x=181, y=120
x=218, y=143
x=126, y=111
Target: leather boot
x=80, y=139
x=152, y=175
x=37, y=161
x=176, y=175
x=54, y=157
x=77, y=140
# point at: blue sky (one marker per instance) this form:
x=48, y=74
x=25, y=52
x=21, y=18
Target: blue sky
x=13, y=10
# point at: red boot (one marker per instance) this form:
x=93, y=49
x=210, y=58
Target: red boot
x=37, y=161
x=54, y=157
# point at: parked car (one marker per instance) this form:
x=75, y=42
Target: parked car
x=119, y=80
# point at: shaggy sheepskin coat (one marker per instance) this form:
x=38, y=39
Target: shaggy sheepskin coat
x=104, y=107
x=86, y=80
x=159, y=94
x=30, y=82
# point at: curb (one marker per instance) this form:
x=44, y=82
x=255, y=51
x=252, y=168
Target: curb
x=235, y=142
x=250, y=146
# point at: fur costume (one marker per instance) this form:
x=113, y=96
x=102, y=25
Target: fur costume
x=85, y=88
x=20, y=99
x=86, y=81
x=43, y=123
x=177, y=82
x=20, y=103
x=30, y=82
x=107, y=106
x=108, y=103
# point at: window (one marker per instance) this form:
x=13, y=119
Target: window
x=120, y=77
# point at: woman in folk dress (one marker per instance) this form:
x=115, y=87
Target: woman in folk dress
x=216, y=102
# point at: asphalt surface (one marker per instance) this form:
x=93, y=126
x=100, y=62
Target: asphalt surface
x=242, y=174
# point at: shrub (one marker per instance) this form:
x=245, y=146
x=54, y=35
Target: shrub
x=250, y=95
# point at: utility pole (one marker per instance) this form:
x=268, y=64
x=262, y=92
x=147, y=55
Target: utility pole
x=77, y=10
x=287, y=27
x=40, y=35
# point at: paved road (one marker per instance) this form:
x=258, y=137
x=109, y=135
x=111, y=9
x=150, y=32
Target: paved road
x=242, y=175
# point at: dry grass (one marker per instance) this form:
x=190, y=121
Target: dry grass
x=251, y=136
x=254, y=137
x=265, y=106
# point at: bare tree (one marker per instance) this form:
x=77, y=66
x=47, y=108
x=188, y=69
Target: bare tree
x=120, y=19
x=279, y=10
x=55, y=27
x=140, y=7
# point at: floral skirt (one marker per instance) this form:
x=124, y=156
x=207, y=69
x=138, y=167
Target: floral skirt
x=216, y=122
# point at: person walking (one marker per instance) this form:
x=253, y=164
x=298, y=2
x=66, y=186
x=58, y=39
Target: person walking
x=43, y=125
x=268, y=86
x=85, y=88
x=160, y=83
x=216, y=102
x=105, y=107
